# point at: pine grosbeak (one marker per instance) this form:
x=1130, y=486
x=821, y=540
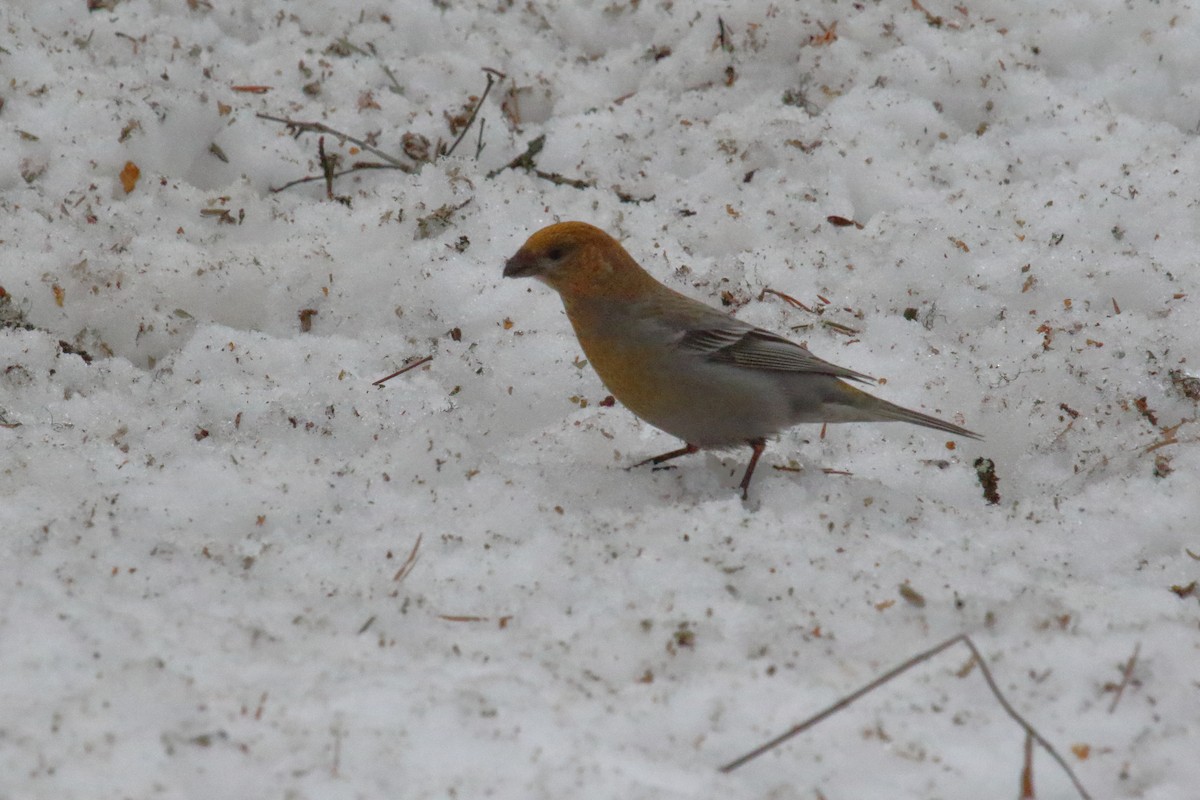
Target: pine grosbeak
x=688, y=369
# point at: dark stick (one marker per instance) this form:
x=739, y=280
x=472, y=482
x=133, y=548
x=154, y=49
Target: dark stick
x=309, y=179
x=328, y=166
x=298, y=128
x=1012, y=712
x=1126, y=674
x=889, y=675
x=402, y=370
x=479, y=143
x=839, y=705
x=490, y=82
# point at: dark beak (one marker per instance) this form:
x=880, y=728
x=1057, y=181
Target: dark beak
x=520, y=266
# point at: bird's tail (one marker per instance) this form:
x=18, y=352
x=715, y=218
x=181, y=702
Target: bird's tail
x=862, y=407
x=890, y=411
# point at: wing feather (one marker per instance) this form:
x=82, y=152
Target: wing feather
x=754, y=348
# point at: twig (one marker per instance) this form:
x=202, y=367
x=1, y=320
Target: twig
x=1170, y=436
x=297, y=128
x=350, y=47
x=1027, y=792
x=723, y=36
x=626, y=197
x=396, y=87
x=410, y=365
x=1012, y=712
x=838, y=706
x=356, y=167
x=479, y=143
x=787, y=298
x=524, y=161
x=328, y=166
x=329, y=163
x=492, y=76
x=1126, y=674
x=563, y=180
x=888, y=676
x=836, y=327
x=409, y=562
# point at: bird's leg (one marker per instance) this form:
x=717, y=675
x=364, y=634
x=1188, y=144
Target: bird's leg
x=758, y=445
x=686, y=450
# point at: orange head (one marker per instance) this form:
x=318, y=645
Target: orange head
x=579, y=260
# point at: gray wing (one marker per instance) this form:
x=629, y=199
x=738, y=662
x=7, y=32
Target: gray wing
x=754, y=348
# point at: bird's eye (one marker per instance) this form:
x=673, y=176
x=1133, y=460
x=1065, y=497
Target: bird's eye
x=554, y=253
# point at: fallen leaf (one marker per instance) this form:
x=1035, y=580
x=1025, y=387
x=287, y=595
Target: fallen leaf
x=129, y=176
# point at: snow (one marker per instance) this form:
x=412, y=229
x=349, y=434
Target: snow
x=207, y=522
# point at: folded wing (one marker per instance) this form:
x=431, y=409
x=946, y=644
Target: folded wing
x=754, y=348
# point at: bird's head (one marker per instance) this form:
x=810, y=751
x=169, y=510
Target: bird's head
x=577, y=259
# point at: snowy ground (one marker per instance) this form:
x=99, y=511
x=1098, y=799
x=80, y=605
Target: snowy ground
x=207, y=520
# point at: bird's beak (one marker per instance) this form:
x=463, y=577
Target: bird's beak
x=520, y=266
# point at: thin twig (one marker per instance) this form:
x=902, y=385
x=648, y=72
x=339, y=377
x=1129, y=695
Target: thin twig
x=839, y=705
x=723, y=36
x=410, y=365
x=409, y=562
x=525, y=160
x=396, y=87
x=889, y=675
x=357, y=167
x=787, y=298
x=492, y=76
x=626, y=197
x=350, y=46
x=1012, y=712
x=297, y=128
x=328, y=166
x=1126, y=674
x=479, y=143
x=1170, y=436
x=1027, y=792
x=563, y=180
x=836, y=327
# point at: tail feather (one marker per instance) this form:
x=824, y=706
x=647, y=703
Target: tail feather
x=846, y=403
x=892, y=412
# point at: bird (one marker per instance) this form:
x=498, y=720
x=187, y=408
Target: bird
x=691, y=370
